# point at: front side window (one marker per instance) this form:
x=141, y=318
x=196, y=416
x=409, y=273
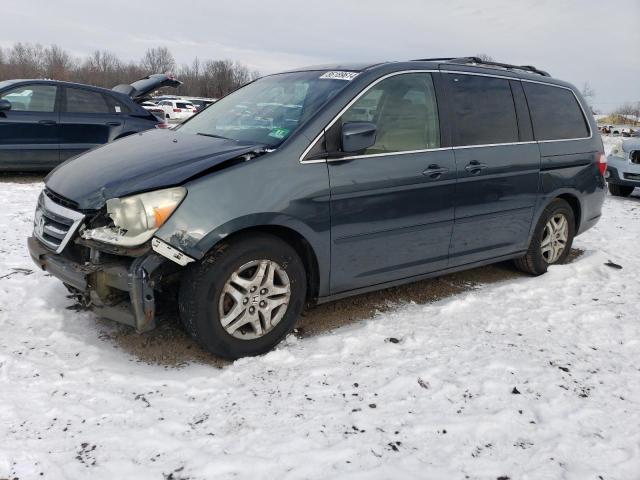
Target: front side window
x=483, y=110
x=85, y=101
x=555, y=112
x=404, y=110
x=268, y=110
x=31, y=98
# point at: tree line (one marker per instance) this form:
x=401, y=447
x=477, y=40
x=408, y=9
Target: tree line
x=202, y=78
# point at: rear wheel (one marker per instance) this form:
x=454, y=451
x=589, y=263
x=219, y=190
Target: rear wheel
x=242, y=299
x=552, y=239
x=620, y=190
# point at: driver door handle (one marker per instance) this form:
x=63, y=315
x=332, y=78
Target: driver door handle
x=475, y=167
x=113, y=124
x=435, y=171
x=48, y=122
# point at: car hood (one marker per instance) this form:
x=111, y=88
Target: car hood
x=142, y=162
x=631, y=144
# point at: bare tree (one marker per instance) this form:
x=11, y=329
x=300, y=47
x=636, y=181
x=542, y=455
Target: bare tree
x=627, y=113
x=57, y=63
x=27, y=60
x=203, y=78
x=158, y=60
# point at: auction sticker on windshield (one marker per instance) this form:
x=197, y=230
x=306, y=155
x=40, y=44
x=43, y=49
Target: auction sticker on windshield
x=279, y=133
x=337, y=75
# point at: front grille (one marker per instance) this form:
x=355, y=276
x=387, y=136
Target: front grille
x=55, y=224
x=634, y=156
x=632, y=176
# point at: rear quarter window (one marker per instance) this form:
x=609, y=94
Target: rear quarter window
x=555, y=112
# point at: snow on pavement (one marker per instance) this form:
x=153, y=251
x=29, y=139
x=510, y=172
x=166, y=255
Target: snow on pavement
x=530, y=378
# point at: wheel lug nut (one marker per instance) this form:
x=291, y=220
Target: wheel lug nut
x=263, y=291
x=252, y=309
x=263, y=304
x=253, y=289
x=245, y=300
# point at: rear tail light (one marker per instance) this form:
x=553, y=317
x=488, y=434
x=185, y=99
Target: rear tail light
x=177, y=110
x=602, y=163
x=162, y=125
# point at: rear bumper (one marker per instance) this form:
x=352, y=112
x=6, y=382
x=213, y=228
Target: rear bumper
x=120, y=290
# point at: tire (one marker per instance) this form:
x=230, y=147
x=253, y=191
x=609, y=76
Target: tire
x=620, y=190
x=539, y=257
x=208, y=296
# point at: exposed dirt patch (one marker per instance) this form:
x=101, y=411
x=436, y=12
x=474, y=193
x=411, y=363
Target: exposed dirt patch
x=22, y=177
x=169, y=344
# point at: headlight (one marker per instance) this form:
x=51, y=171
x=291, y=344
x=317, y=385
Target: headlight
x=136, y=218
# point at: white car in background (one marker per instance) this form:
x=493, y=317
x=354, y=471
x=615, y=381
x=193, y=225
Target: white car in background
x=177, y=109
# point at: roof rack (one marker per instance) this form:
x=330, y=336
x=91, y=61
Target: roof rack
x=479, y=61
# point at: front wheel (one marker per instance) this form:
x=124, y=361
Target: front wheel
x=552, y=239
x=242, y=299
x=620, y=190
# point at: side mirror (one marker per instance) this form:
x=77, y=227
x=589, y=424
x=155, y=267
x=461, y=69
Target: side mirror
x=5, y=105
x=358, y=136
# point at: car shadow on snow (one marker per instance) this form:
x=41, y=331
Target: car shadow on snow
x=170, y=346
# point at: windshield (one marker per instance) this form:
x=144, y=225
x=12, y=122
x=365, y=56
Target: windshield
x=268, y=110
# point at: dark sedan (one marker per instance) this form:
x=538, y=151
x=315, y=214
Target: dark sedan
x=45, y=122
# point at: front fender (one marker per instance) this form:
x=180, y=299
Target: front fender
x=274, y=190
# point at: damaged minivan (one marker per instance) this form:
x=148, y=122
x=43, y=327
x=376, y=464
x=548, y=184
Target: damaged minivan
x=321, y=183
x=45, y=122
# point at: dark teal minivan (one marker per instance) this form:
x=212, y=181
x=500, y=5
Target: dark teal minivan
x=321, y=183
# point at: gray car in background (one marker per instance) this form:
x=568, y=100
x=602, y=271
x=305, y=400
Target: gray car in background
x=623, y=168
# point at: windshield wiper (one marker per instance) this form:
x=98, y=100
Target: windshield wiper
x=215, y=136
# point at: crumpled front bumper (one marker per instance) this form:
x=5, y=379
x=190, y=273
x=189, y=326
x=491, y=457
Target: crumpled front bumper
x=120, y=289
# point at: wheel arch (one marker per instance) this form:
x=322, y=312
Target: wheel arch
x=292, y=237
x=574, y=203
x=568, y=196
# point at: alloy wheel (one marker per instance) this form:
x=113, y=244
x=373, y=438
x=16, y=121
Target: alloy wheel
x=254, y=299
x=554, y=238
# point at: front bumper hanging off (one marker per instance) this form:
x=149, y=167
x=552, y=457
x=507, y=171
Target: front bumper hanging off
x=121, y=290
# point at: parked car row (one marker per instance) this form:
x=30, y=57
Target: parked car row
x=321, y=183
x=176, y=108
x=45, y=122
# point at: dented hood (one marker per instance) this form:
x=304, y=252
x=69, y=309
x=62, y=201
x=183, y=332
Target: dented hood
x=142, y=162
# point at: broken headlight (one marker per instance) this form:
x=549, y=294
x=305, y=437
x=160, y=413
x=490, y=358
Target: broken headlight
x=136, y=218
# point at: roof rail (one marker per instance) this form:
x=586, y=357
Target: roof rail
x=479, y=61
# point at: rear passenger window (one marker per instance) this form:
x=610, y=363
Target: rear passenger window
x=404, y=110
x=555, y=112
x=483, y=110
x=85, y=101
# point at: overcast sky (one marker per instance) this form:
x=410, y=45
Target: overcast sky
x=593, y=41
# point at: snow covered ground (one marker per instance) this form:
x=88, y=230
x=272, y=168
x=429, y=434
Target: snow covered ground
x=530, y=378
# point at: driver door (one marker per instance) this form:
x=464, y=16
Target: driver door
x=29, y=131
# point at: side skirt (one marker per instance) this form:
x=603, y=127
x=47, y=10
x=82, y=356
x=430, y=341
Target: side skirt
x=416, y=278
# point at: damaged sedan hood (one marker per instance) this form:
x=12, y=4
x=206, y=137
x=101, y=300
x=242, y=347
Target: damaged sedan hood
x=147, y=161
